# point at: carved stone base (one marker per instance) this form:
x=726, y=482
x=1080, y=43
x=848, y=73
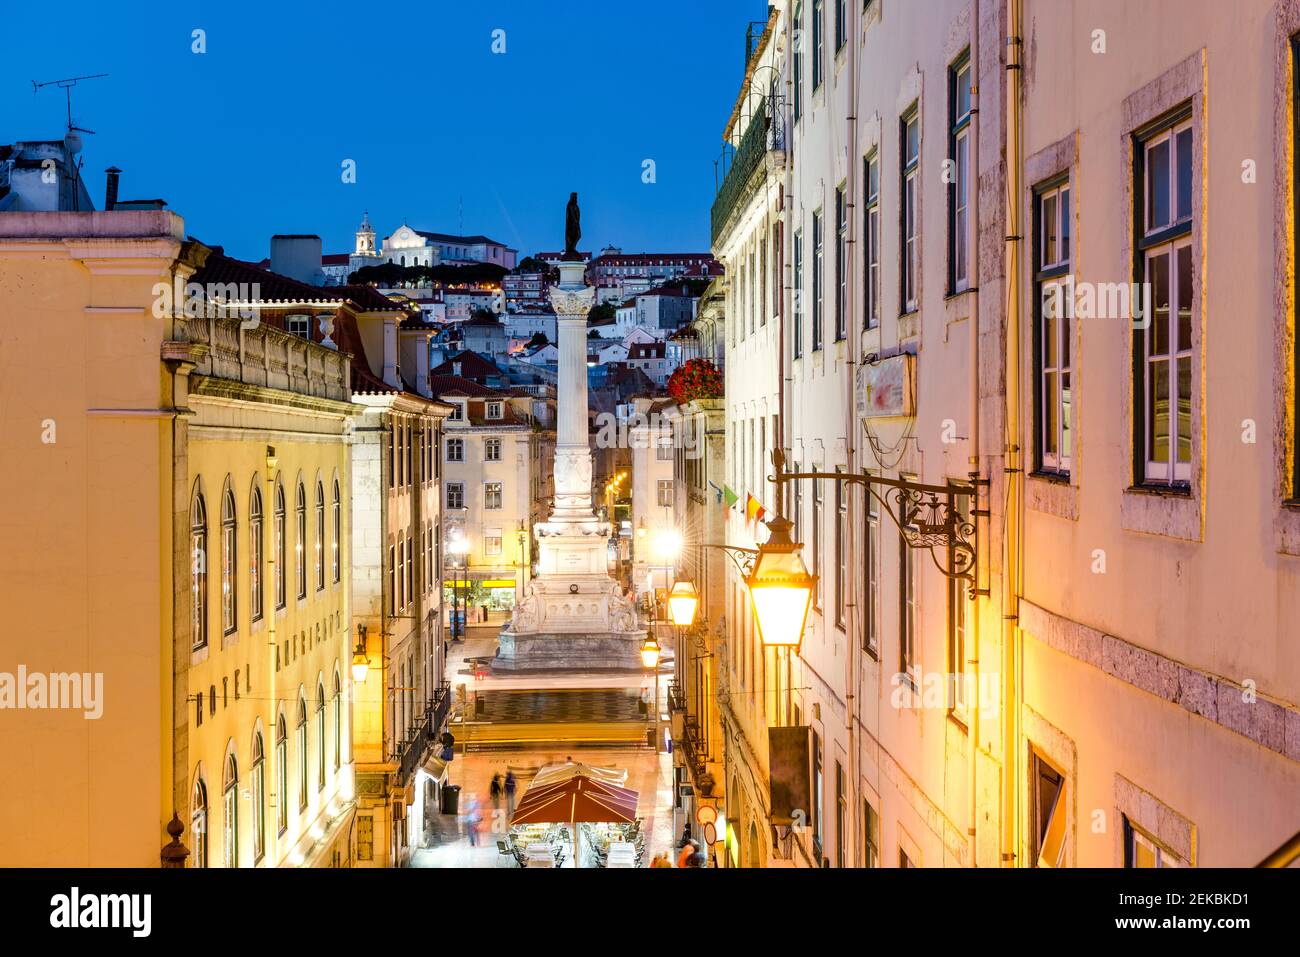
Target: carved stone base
x=590, y=651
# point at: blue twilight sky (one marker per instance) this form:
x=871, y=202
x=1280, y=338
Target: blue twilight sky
x=248, y=138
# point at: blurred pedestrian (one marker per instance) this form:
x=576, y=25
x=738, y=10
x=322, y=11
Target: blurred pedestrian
x=661, y=860
x=510, y=786
x=689, y=849
x=494, y=791
x=471, y=820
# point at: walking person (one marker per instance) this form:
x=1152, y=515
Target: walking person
x=494, y=791
x=689, y=850
x=472, y=820
x=510, y=786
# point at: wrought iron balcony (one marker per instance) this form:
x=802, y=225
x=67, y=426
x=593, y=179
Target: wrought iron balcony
x=693, y=748
x=427, y=730
x=676, y=698
x=765, y=134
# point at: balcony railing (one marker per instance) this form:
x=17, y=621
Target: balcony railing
x=764, y=134
x=427, y=730
x=676, y=698
x=693, y=747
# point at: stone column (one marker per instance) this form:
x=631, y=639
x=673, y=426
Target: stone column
x=572, y=301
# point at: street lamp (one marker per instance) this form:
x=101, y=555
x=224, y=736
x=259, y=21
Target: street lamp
x=459, y=545
x=360, y=661
x=650, y=659
x=780, y=588
x=682, y=602
x=650, y=654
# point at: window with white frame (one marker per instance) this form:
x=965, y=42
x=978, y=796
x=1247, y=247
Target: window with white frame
x=457, y=412
x=1054, y=334
x=907, y=600
x=871, y=578
x=455, y=450
x=492, y=541
x=199, y=571
x=1144, y=850
x=494, y=410
x=491, y=450
x=871, y=241
x=299, y=326
x=841, y=550
x=959, y=611
x=797, y=61
x=841, y=264
x=665, y=493
x=491, y=495
x=1164, y=390
x=819, y=282
x=910, y=150
x=796, y=339
x=959, y=226
x=818, y=30
x=455, y=494
x=229, y=547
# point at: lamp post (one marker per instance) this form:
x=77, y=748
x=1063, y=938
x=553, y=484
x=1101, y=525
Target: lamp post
x=459, y=545
x=650, y=659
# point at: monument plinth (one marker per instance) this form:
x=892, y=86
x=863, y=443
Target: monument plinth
x=573, y=616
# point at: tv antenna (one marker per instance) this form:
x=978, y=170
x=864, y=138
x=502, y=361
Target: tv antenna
x=66, y=86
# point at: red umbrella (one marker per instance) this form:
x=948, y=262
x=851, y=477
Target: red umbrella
x=574, y=801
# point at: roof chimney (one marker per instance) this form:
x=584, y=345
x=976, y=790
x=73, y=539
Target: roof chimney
x=110, y=187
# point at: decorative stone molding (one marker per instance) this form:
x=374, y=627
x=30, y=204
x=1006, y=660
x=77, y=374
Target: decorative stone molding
x=572, y=303
x=1148, y=812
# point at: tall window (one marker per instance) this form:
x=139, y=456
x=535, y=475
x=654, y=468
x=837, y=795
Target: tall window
x=959, y=117
x=259, y=797
x=256, y=554
x=841, y=815
x=228, y=558
x=818, y=834
x=871, y=242
x=280, y=536
x=959, y=611
x=796, y=340
x=281, y=776
x=320, y=737
x=1053, y=338
x=336, y=555
x=492, y=450
x=230, y=817
x=338, y=723
x=492, y=495
x=1047, y=811
x=841, y=25
x=818, y=40
x=870, y=836
x=300, y=546
x=871, y=578
x=394, y=601
x=455, y=450
x=841, y=265
x=664, y=496
x=841, y=550
x=819, y=290
x=816, y=523
x=320, y=536
x=798, y=61
x=302, y=753
x=199, y=824
x=910, y=149
x=199, y=571
x=1164, y=389
x=907, y=608
x=455, y=494
x=410, y=571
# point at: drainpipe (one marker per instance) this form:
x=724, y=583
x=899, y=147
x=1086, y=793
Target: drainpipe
x=851, y=659
x=972, y=270
x=1011, y=572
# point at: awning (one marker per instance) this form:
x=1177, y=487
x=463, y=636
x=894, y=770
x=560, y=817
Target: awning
x=435, y=767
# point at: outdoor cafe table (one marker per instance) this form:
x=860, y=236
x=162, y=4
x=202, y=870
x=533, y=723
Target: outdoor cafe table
x=540, y=855
x=621, y=854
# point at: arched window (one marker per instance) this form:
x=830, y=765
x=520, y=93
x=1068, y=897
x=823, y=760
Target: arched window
x=320, y=734
x=256, y=554
x=259, y=797
x=199, y=570
x=281, y=775
x=338, y=722
x=300, y=551
x=199, y=824
x=337, y=555
x=279, y=546
x=302, y=753
x=230, y=799
x=228, y=548
x=320, y=536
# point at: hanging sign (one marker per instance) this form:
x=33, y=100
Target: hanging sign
x=886, y=388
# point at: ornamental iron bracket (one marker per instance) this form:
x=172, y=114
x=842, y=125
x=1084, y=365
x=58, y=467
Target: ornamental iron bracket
x=926, y=516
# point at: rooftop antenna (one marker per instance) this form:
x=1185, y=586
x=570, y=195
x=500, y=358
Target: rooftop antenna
x=71, y=139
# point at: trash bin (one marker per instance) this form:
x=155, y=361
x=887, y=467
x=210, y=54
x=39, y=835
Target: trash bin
x=450, y=798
